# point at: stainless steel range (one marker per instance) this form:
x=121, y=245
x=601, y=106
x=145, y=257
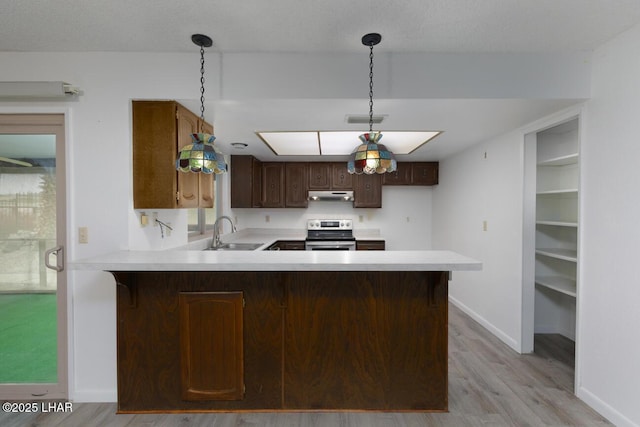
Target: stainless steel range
x=330, y=235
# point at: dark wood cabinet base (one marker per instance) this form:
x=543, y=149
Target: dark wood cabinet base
x=308, y=341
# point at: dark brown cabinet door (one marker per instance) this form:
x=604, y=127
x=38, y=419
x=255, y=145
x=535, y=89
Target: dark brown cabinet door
x=246, y=182
x=370, y=245
x=401, y=176
x=367, y=191
x=273, y=189
x=296, y=183
x=341, y=179
x=425, y=173
x=211, y=343
x=319, y=176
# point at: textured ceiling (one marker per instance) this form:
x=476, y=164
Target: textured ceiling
x=313, y=25
x=448, y=26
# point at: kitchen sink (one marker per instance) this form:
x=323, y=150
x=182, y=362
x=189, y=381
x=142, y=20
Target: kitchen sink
x=235, y=247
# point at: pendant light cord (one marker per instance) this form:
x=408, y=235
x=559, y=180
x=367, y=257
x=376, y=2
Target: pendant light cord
x=371, y=88
x=202, y=83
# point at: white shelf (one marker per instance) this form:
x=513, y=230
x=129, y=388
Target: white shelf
x=558, y=223
x=568, y=159
x=563, y=254
x=559, y=284
x=564, y=191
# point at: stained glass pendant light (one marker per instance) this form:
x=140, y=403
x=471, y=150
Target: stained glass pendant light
x=201, y=155
x=371, y=157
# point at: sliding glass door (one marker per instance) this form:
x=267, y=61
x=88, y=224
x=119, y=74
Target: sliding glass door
x=33, y=344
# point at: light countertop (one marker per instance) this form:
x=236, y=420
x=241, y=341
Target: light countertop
x=198, y=260
x=193, y=258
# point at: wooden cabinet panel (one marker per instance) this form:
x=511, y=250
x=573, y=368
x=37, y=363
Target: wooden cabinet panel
x=188, y=183
x=287, y=245
x=342, y=353
x=401, y=176
x=341, y=179
x=413, y=173
x=321, y=340
x=211, y=343
x=149, y=339
x=160, y=129
x=425, y=173
x=319, y=176
x=367, y=191
x=296, y=183
x=370, y=245
x=246, y=182
x=273, y=188
x=205, y=180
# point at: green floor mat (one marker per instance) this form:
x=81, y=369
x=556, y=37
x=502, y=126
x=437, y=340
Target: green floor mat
x=28, y=342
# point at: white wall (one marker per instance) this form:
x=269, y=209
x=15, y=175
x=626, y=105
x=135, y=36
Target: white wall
x=485, y=183
x=474, y=189
x=609, y=313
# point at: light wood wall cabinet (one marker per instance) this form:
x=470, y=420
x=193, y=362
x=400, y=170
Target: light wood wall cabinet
x=160, y=129
x=556, y=242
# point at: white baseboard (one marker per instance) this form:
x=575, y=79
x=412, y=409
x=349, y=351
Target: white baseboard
x=487, y=325
x=94, y=396
x=604, y=409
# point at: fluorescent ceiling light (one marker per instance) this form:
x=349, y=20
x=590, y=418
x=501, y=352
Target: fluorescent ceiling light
x=327, y=143
x=292, y=143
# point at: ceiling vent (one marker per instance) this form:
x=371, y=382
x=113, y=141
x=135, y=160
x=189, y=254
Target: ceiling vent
x=360, y=119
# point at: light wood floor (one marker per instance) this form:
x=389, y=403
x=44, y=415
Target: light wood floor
x=489, y=385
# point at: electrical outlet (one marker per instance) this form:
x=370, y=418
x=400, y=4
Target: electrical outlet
x=83, y=235
x=361, y=218
x=484, y=225
x=408, y=219
x=154, y=217
x=267, y=218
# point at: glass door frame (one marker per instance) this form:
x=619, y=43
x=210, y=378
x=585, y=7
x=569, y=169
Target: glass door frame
x=53, y=123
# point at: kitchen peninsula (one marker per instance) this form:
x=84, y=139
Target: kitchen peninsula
x=270, y=330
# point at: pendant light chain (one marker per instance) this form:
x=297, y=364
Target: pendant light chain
x=202, y=83
x=371, y=88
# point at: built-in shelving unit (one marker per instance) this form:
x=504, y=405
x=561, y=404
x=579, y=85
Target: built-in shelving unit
x=557, y=225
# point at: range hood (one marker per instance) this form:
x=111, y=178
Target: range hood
x=331, y=196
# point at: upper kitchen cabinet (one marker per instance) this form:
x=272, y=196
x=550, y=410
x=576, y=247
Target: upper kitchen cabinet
x=329, y=176
x=341, y=179
x=296, y=185
x=160, y=129
x=246, y=182
x=367, y=191
x=273, y=187
x=413, y=173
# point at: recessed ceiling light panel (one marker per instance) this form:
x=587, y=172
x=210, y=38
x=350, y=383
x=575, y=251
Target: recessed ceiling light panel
x=338, y=143
x=291, y=143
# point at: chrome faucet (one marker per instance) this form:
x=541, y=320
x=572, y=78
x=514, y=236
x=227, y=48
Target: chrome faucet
x=215, y=242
